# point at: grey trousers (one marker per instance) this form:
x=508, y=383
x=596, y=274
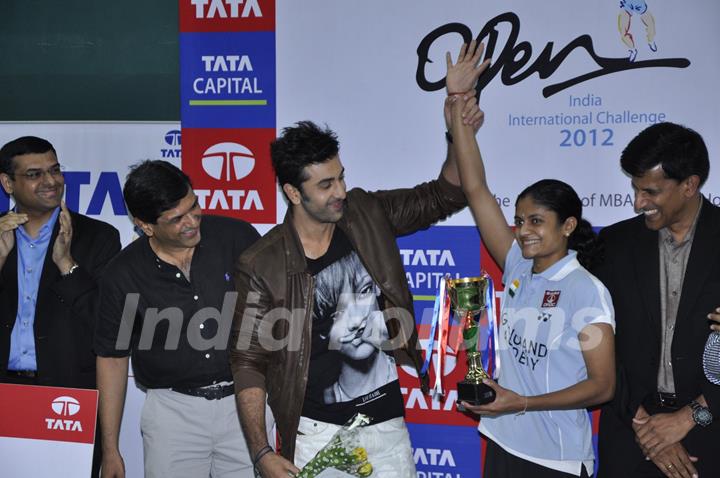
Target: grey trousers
x=185, y=436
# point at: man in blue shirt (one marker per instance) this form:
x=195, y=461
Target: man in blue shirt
x=50, y=260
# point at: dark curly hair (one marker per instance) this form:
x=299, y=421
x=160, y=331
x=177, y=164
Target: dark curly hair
x=301, y=145
x=562, y=199
x=680, y=150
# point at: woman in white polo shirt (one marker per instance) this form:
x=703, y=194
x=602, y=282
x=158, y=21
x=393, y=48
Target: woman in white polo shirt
x=556, y=342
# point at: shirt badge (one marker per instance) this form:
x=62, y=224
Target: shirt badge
x=512, y=290
x=551, y=298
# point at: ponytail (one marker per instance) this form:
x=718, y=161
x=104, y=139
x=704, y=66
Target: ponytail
x=587, y=244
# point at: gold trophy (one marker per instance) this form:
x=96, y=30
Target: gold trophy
x=467, y=296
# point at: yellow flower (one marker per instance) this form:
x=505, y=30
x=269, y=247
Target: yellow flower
x=365, y=470
x=359, y=454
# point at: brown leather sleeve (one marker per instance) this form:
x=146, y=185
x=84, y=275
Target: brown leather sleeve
x=410, y=210
x=248, y=359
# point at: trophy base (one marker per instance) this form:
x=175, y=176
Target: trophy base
x=474, y=393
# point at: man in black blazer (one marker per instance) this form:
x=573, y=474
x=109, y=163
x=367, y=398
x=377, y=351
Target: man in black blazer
x=50, y=260
x=661, y=269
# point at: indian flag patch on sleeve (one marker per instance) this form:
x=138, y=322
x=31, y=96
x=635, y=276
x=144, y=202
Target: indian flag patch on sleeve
x=512, y=290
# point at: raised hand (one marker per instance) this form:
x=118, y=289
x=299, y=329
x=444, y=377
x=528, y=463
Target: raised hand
x=462, y=76
x=471, y=112
x=8, y=223
x=61, y=249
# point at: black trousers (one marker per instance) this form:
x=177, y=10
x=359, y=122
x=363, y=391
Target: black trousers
x=501, y=464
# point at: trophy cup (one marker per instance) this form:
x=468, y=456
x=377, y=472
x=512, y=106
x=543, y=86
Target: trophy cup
x=467, y=296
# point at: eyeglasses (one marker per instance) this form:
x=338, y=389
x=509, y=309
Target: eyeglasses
x=36, y=174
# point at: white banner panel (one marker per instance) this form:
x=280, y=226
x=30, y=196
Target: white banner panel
x=97, y=157
x=354, y=64
x=46, y=431
x=561, y=100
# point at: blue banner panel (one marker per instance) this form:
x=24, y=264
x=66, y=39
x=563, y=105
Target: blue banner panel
x=427, y=256
x=445, y=451
x=430, y=254
x=227, y=80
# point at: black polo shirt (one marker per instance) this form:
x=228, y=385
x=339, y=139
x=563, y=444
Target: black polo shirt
x=179, y=330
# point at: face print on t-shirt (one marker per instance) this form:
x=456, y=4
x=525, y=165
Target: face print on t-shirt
x=348, y=316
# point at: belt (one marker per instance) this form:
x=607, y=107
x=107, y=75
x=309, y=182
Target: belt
x=21, y=373
x=212, y=392
x=661, y=401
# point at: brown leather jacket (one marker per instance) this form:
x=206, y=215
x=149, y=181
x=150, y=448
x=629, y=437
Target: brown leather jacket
x=271, y=328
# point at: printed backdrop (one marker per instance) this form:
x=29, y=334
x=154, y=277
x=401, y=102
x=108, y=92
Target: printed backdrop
x=561, y=100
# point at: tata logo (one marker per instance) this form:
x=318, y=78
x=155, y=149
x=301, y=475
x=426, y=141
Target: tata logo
x=433, y=457
x=233, y=85
x=228, y=161
x=427, y=257
x=172, y=138
x=226, y=63
x=64, y=407
x=226, y=8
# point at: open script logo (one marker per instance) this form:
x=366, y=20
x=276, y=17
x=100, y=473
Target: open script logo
x=228, y=161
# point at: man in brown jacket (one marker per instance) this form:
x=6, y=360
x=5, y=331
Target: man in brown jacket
x=324, y=312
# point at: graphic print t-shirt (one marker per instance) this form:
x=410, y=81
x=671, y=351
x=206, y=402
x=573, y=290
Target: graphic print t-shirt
x=349, y=373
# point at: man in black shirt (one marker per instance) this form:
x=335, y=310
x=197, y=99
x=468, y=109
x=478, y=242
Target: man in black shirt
x=168, y=299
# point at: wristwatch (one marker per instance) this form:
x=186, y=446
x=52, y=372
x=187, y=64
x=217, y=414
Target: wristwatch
x=701, y=415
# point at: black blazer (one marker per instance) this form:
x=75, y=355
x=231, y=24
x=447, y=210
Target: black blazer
x=66, y=307
x=631, y=272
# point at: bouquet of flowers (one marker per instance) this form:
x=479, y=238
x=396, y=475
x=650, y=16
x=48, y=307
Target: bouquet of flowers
x=343, y=452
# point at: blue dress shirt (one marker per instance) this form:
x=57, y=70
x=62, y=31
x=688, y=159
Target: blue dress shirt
x=31, y=257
